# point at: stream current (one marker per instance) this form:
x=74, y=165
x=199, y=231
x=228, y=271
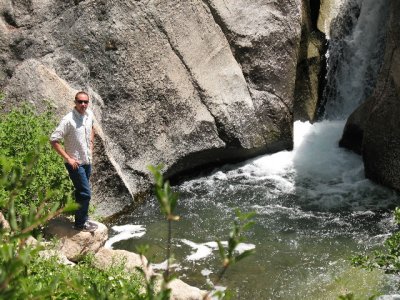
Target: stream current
x=314, y=210
x=314, y=207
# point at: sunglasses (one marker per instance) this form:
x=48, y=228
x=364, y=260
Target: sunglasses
x=82, y=101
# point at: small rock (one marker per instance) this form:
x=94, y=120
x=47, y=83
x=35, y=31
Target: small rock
x=61, y=258
x=3, y=222
x=106, y=258
x=182, y=291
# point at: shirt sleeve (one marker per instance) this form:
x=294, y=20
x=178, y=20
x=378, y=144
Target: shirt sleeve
x=61, y=130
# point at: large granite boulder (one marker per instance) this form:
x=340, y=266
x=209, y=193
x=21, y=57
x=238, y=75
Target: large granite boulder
x=264, y=37
x=376, y=124
x=185, y=83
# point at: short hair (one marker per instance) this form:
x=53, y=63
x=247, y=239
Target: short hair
x=81, y=93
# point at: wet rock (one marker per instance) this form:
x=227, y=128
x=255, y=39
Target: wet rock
x=377, y=121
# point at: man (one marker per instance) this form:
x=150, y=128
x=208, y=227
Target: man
x=76, y=129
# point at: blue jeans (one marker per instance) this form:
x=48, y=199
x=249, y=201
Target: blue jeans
x=80, y=179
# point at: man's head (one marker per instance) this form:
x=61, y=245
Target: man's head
x=81, y=102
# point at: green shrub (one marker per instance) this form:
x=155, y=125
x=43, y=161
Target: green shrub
x=20, y=132
x=387, y=259
x=23, y=273
x=46, y=279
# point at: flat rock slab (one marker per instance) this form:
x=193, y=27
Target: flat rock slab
x=73, y=243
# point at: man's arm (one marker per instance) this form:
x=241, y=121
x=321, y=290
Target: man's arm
x=60, y=150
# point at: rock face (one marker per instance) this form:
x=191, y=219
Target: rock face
x=376, y=124
x=186, y=83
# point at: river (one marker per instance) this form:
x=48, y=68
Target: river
x=314, y=207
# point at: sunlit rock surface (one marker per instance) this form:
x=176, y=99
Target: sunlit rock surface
x=183, y=83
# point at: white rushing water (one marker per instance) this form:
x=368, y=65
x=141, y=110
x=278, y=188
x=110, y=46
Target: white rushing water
x=354, y=60
x=321, y=175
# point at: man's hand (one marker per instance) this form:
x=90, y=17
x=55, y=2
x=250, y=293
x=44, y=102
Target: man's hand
x=60, y=150
x=73, y=163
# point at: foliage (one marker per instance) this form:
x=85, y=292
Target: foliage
x=20, y=132
x=48, y=279
x=15, y=254
x=387, y=259
x=165, y=196
x=228, y=256
x=241, y=224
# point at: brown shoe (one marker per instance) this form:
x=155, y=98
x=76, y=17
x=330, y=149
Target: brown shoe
x=87, y=227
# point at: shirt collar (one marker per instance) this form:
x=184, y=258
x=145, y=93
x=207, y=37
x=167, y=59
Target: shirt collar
x=74, y=111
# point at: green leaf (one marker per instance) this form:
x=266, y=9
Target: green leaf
x=244, y=255
x=221, y=250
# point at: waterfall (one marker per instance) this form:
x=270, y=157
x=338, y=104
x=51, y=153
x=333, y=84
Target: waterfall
x=354, y=55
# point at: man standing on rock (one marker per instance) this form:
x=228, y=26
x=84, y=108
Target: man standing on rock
x=76, y=129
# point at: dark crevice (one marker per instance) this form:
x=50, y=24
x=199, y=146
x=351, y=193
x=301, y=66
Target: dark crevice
x=309, y=34
x=9, y=19
x=314, y=12
x=322, y=80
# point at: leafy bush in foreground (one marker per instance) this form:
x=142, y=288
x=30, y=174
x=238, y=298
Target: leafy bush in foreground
x=20, y=132
x=34, y=187
x=387, y=259
x=46, y=278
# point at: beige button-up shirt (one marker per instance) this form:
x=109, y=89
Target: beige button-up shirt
x=75, y=129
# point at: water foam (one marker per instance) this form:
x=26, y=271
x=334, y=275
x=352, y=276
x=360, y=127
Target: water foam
x=125, y=232
x=204, y=250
